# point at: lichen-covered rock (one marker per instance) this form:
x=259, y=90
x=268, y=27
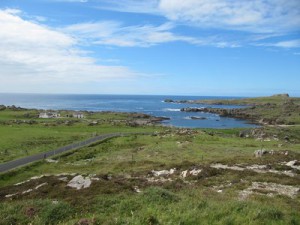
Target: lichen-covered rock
x=163, y=172
x=80, y=182
x=260, y=153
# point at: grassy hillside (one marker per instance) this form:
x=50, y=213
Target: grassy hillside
x=174, y=176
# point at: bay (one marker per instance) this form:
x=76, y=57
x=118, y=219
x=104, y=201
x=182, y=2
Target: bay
x=149, y=104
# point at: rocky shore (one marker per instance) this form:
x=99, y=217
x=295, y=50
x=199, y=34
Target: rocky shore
x=139, y=119
x=33, y=116
x=275, y=110
x=238, y=101
x=239, y=113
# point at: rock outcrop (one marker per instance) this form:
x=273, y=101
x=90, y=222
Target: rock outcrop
x=80, y=182
x=260, y=153
x=198, y=118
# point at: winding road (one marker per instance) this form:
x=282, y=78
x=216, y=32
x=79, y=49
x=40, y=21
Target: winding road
x=4, y=167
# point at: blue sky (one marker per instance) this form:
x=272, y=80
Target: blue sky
x=172, y=47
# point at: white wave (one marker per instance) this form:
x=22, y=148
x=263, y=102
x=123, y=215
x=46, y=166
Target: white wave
x=171, y=110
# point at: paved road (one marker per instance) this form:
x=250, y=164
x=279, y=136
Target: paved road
x=4, y=167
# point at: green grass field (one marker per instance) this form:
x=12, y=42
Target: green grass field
x=23, y=134
x=125, y=189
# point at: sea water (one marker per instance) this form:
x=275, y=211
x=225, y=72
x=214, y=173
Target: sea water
x=148, y=104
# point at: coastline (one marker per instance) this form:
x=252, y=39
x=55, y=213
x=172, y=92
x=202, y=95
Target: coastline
x=134, y=118
x=278, y=109
x=151, y=105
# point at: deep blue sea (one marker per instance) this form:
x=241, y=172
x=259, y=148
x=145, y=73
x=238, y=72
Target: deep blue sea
x=153, y=105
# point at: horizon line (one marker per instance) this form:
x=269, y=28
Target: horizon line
x=189, y=95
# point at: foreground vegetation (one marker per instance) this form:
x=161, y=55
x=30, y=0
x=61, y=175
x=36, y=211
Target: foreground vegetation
x=171, y=176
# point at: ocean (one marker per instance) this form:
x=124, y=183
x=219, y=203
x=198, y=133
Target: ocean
x=152, y=105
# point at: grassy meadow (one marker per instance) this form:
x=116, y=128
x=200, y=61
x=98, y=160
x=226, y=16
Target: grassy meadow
x=23, y=133
x=125, y=188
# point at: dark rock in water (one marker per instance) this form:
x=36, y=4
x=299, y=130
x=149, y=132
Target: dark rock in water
x=198, y=118
x=159, y=118
x=177, y=101
x=189, y=109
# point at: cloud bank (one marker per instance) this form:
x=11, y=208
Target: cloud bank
x=259, y=16
x=254, y=15
x=116, y=34
x=263, y=18
x=31, y=53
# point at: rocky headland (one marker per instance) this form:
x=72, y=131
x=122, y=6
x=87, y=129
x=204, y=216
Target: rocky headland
x=274, y=110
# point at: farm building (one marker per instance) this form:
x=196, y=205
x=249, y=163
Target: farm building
x=47, y=115
x=78, y=115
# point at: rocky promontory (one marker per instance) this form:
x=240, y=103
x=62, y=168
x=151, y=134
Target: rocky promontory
x=275, y=110
x=238, y=113
x=274, y=99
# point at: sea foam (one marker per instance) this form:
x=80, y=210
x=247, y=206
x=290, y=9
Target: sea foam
x=171, y=110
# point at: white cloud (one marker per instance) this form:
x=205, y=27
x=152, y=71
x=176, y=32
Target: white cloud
x=286, y=44
x=263, y=16
x=289, y=44
x=116, y=34
x=12, y=11
x=134, y=6
x=31, y=53
x=258, y=16
x=230, y=23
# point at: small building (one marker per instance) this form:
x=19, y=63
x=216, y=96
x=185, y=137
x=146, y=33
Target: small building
x=78, y=115
x=47, y=115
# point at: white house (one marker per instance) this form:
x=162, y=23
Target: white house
x=78, y=115
x=47, y=115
